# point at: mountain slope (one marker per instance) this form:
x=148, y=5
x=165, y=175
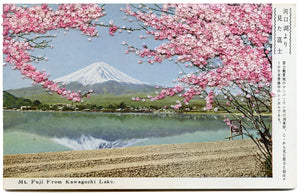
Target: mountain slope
x=11, y=101
x=27, y=91
x=112, y=87
x=98, y=72
x=99, y=76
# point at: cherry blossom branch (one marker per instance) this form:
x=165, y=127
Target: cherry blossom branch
x=19, y=22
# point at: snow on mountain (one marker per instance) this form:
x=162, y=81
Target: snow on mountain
x=98, y=72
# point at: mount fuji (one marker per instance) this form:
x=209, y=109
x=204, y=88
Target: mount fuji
x=103, y=79
x=96, y=73
x=100, y=77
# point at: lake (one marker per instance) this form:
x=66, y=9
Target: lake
x=33, y=132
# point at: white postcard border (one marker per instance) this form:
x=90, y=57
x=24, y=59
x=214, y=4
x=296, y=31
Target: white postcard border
x=200, y=183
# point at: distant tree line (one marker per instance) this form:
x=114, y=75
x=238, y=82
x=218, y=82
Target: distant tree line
x=12, y=102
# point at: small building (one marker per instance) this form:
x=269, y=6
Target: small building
x=25, y=107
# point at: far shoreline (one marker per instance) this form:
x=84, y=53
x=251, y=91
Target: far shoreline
x=137, y=112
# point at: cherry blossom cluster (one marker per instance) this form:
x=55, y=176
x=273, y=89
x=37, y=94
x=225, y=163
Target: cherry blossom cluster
x=235, y=35
x=40, y=19
x=20, y=21
x=209, y=100
x=164, y=93
x=168, y=92
x=113, y=29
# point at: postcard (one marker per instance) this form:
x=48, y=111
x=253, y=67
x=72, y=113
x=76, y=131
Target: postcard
x=149, y=96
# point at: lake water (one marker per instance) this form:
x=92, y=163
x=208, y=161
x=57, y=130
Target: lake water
x=33, y=132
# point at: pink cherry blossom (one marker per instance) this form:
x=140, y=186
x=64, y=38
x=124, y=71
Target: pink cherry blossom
x=200, y=34
x=112, y=30
x=39, y=19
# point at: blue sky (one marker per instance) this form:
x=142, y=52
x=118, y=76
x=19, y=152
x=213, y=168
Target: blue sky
x=73, y=51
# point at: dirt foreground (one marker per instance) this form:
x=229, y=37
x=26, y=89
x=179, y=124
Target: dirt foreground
x=235, y=158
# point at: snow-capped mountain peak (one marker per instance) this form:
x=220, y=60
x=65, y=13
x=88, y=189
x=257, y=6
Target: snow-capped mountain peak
x=98, y=72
